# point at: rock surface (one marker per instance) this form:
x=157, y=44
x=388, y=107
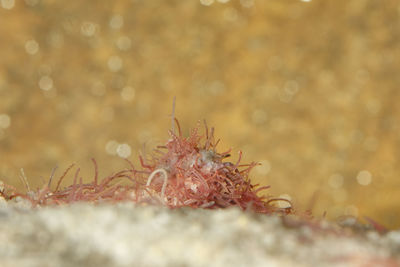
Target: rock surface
x=129, y=235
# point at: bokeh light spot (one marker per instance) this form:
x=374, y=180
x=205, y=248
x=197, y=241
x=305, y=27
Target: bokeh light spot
x=259, y=116
x=247, y=3
x=128, y=93
x=124, y=150
x=5, y=121
x=88, y=29
x=124, y=43
x=115, y=63
x=46, y=83
x=7, y=4
x=364, y=177
x=336, y=181
x=206, y=2
x=31, y=47
x=116, y=22
x=111, y=147
x=291, y=87
x=32, y=2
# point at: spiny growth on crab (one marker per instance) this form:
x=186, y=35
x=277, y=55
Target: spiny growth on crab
x=186, y=171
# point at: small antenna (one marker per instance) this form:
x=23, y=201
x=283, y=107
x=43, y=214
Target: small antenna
x=52, y=175
x=173, y=115
x=24, y=179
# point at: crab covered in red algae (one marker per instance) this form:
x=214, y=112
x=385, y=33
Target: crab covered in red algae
x=189, y=173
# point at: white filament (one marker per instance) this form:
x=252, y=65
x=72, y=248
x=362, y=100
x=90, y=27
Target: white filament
x=165, y=180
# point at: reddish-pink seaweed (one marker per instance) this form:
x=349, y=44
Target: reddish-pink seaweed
x=186, y=171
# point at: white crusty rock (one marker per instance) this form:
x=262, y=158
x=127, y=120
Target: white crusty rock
x=129, y=235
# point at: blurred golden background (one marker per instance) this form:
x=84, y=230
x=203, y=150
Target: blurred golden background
x=308, y=88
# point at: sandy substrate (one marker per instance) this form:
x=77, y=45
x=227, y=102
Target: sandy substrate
x=128, y=235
